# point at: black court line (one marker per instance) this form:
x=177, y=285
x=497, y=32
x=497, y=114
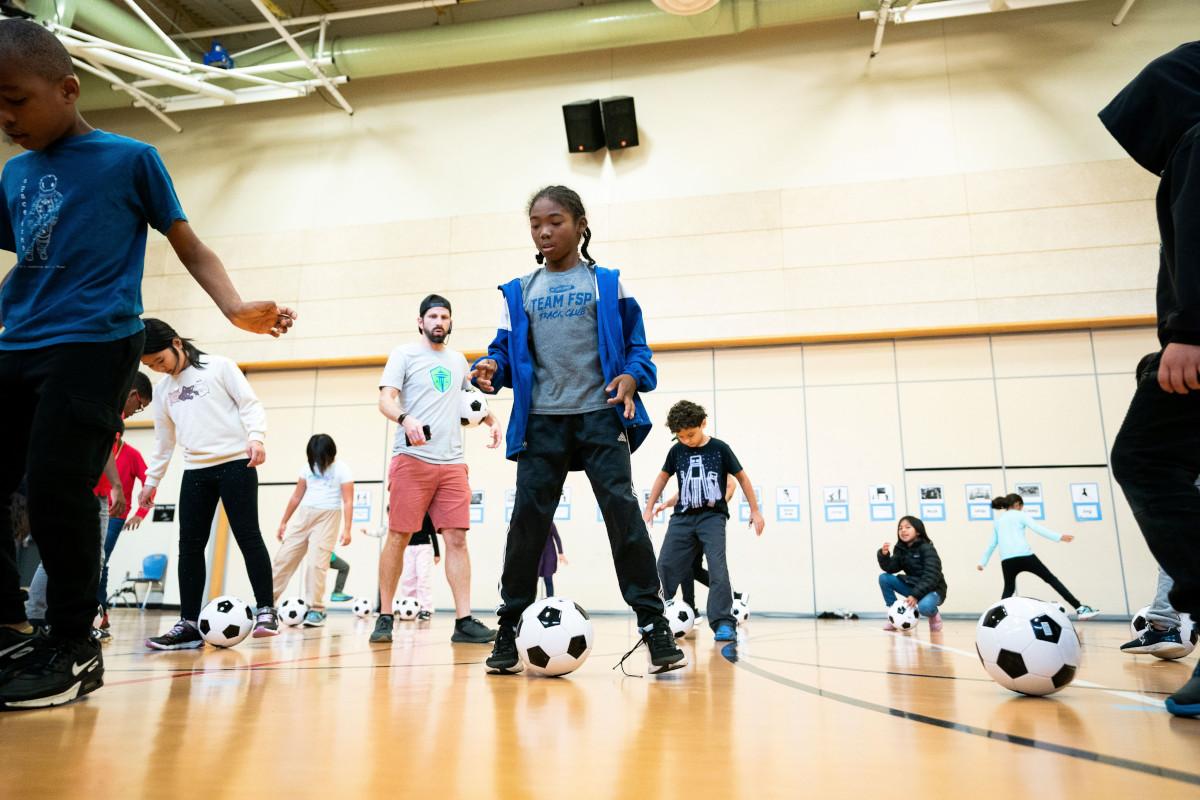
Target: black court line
x=730, y=654
x=937, y=677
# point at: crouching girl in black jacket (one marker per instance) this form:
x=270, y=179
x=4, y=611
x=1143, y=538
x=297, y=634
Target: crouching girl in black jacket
x=922, y=582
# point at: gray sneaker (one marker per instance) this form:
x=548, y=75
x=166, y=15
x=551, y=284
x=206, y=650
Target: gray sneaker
x=472, y=631
x=383, y=630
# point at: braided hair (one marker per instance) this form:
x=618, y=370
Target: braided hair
x=568, y=199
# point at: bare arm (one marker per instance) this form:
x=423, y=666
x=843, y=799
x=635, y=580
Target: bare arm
x=660, y=483
x=730, y=487
x=292, y=503
x=756, y=517
x=347, y=511
x=116, y=491
x=261, y=316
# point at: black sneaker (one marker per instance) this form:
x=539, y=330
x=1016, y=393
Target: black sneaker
x=472, y=631
x=1165, y=644
x=504, y=660
x=56, y=672
x=102, y=636
x=266, y=623
x=665, y=655
x=14, y=646
x=424, y=615
x=1186, y=702
x=383, y=630
x=183, y=636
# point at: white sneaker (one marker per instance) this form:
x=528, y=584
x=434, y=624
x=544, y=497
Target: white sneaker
x=1087, y=612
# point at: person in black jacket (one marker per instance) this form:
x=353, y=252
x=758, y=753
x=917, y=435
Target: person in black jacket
x=922, y=582
x=1156, y=455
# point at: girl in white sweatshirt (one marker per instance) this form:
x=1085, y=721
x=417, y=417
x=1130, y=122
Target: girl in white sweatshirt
x=206, y=405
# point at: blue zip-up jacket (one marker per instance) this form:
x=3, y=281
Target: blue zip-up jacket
x=623, y=350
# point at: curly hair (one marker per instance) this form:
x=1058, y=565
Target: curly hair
x=685, y=414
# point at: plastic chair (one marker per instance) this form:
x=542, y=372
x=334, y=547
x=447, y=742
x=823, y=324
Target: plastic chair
x=153, y=574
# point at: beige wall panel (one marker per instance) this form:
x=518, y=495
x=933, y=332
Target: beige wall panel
x=348, y=386
x=837, y=364
x=758, y=367
x=856, y=319
x=854, y=441
x=873, y=242
x=508, y=230
x=1108, y=224
x=1119, y=351
x=290, y=389
x=272, y=500
x=1050, y=421
x=960, y=541
x=724, y=294
x=288, y=431
x=949, y=424
x=1085, y=305
x=685, y=371
x=690, y=328
x=702, y=254
x=1089, y=566
x=359, y=432
x=1028, y=354
x=1050, y=186
x=370, y=277
x=943, y=359
x=935, y=196
x=1047, y=272
x=1116, y=392
x=888, y=285
x=775, y=569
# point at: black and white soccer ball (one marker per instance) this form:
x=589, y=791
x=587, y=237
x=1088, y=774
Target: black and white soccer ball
x=903, y=616
x=1188, y=632
x=740, y=611
x=1028, y=646
x=680, y=617
x=406, y=607
x=362, y=607
x=554, y=637
x=225, y=621
x=292, y=611
x=472, y=408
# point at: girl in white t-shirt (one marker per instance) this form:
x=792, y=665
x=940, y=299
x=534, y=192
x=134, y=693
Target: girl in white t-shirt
x=324, y=494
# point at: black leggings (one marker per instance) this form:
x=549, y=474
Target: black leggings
x=236, y=486
x=1012, y=567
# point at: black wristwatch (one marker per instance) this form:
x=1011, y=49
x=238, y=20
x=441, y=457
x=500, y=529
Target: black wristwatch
x=400, y=419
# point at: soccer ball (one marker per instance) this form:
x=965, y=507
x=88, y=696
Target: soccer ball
x=1187, y=630
x=681, y=618
x=1027, y=646
x=406, y=607
x=472, y=408
x=903, y=616
x=225, y=621
x=740, y=611
x=554, y=637
x=292, y=610
x=362, y=607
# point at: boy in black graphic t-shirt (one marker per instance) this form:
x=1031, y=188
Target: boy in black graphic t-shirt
x=702, y=465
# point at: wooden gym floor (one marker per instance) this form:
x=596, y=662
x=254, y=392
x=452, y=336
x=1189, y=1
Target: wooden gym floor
x=798, y=708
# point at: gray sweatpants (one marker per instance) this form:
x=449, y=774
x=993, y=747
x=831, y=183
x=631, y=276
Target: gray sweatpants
x=1161, y=613
x=688, y=535
x=35, y=606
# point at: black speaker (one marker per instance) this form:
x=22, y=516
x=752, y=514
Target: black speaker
x=620, y=123
x=585, y=128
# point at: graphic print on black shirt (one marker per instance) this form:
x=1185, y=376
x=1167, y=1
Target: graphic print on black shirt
x=702, y=473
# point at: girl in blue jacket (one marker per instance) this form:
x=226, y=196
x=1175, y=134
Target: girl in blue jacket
x=572, y=346
x=1016, y=556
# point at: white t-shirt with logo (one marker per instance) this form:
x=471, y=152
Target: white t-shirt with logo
x=430, y=383
x=324, y=489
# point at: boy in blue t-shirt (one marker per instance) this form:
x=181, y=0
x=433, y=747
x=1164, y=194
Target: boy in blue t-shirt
x=702, y=465
x=74, y=209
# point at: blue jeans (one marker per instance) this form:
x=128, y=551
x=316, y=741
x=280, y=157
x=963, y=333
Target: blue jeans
x=110, y=542
x=892, y=585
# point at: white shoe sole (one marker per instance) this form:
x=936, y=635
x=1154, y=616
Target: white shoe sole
x=184, y=646
x=76, y=691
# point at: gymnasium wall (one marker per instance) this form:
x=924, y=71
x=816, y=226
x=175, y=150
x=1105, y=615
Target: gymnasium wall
x=998, y=410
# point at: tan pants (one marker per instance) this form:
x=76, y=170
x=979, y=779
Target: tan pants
x=317, y=527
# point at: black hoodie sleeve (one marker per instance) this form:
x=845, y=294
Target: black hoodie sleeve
x=931, y=572
x=888, y=563
x=1182, y=323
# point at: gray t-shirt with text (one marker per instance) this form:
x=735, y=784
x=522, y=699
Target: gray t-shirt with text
x=561, y=307
x=430, y=383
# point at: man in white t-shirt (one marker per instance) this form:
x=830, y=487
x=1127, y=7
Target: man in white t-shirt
x=420, y=391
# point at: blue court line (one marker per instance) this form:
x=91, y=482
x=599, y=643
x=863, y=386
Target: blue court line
x=730, y=653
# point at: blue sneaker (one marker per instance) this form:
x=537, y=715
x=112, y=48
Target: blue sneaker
x=1186, y=701
x=725, y=633
x=340, y=597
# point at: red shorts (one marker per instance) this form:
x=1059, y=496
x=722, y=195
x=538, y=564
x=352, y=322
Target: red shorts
x=416, y=487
